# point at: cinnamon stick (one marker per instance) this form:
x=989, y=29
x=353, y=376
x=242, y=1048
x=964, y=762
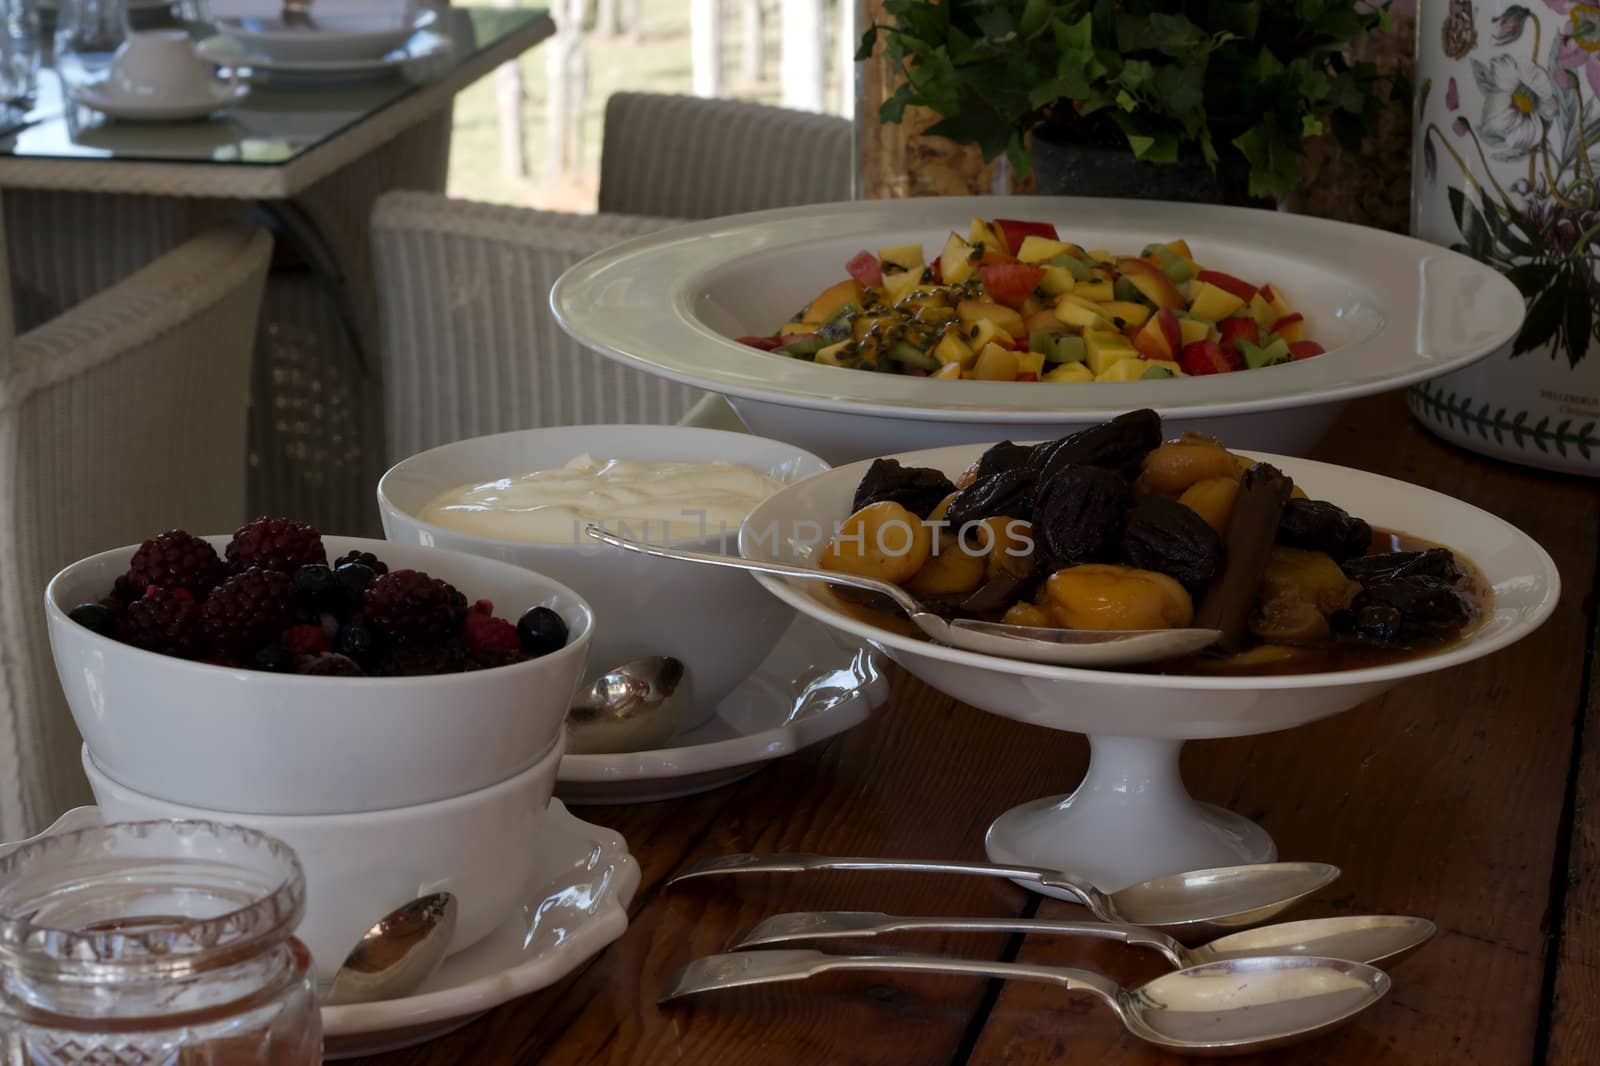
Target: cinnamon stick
x=1252, y=531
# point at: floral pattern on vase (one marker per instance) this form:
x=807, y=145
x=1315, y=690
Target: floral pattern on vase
x=1508, y=155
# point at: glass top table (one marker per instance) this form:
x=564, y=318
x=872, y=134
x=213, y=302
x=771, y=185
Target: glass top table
x=285, y=135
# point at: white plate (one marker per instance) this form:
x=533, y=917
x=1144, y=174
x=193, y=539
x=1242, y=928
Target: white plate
x=158, y=109
x=335, y=36
x=815, y=685
x=1392, y=311
x=225, y=51
x=576, y=905
x=1131, y=818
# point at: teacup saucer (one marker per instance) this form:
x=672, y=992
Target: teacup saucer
x=576, y=905
x=159, y=108
x=814, y=685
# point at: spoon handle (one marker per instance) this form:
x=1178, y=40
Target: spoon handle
x=901, y=598
x=798, y=862
x=823, y=925
x=766, y=967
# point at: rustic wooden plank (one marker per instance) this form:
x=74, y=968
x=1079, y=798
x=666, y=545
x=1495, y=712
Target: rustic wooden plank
x=1442, y=799
x=1574, y=1032
x=923, y=778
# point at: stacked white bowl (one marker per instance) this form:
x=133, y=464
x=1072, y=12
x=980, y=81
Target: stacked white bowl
x=388, y=788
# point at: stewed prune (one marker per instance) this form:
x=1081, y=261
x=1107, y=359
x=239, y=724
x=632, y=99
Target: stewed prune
x=1008, y=492
x=1434, y=562
x=1005, y=456
x=1080, y=515
x=1317, y=525
x=1120, y=445
x=1165, y=536
x=917, y=489
x=1405, y=612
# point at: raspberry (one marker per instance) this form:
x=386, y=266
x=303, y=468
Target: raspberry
x=493, y=657
x=310, y=639
x=486, y=634
x=364, y=558
x=275, y=544
x=327, y=664
x=409, y=608
x=177, y=560
x=249, y=610
x=417, y=660
x=164, y=621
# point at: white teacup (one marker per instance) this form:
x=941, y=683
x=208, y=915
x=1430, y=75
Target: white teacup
x=161, y=64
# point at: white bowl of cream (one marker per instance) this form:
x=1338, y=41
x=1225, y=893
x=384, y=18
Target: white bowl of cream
x=524, y=497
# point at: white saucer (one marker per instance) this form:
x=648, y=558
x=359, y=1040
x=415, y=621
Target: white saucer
x=576, y=905
x=158, y=109
x=225, y=51
x=338, y=36
x=816, y=684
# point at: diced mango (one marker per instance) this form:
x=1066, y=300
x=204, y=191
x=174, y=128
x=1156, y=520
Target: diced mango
x=989, y=236
x=955, y=264
x=995, y=364
x=953, y=348
x=1101, y=290
x=1262, y=311
x=1030, y=363
x=1181, y=250
x=1193, y=330
x=1069, y=372
x=1103, y=352
x=948, y=372
x=1100, y=255
x=986, y=331
x=1131, y=314
x=1124, y=370
x=898, y=286
x=789, y=328
x=971, y=312
x=829, y=356
x=1037, y=249
x=908, y=256
x=1056, y=280
x=1214, y=303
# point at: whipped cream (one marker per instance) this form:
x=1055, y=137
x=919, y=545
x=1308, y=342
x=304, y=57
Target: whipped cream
x=650, y=501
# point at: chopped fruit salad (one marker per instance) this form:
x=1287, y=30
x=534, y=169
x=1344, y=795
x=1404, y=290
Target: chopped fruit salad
x=1012, y=301
x=272, y=601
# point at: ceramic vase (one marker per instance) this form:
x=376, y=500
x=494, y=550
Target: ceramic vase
x=1507, y=149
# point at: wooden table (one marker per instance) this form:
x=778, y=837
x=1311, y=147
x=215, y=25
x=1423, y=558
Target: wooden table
x=1471, y=797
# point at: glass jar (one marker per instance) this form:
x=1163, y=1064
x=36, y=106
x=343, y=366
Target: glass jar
x=88, y=34
x=166, y=943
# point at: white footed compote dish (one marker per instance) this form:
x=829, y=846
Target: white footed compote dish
x=1131, y=818
x=1390, y=311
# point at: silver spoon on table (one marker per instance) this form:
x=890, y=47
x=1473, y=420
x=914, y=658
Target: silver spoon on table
x=1229, y=897
x=1228, y=1007
x=1369, y=939
x=399, y=952
x=1059, y=647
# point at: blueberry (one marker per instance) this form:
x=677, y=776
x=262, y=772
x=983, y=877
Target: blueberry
x=96, y=617
x=356, y=640
x=275, y=658
x=313, y=579
x=541, y=631
x=356, y=576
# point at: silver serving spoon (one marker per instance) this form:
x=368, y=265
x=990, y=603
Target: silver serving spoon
x=1223, y=898
x=638, y=706
x=1227, y=1007
x=1059, y=647
x=1361, y=938
x=398, y=953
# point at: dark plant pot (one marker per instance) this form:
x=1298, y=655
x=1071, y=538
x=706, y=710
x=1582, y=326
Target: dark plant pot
x=1062, y=169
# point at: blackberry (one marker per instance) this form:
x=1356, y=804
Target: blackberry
x=164, y=621
x=249, y=610
x=367, y=559
x=408, y=608
x=358, y=577
x=95, y=616
x=327, y=664
x=418, y=660
x=177, y=560
x=125, y=590
x=275, y=544
x=275, y=658
x=542, y=631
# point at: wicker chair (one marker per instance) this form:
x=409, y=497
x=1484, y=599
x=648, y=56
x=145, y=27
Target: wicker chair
x=122, y=416
x=469, y=344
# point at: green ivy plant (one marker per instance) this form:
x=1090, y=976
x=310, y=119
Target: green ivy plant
x=1252, y=77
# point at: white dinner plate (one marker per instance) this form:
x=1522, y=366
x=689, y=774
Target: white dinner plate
x=1391, y=311
x=815, y=685
x=228, y=52
x=335, y=36
x=158, y=109
x=576, y=905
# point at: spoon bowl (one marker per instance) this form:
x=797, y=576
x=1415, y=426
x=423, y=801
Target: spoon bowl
x=1367, y=939
x=1061, y=647
x=399, y=952
x=1228, y=1007
x=635, y=707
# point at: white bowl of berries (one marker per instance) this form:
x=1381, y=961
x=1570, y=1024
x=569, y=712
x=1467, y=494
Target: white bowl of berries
x=281, y=672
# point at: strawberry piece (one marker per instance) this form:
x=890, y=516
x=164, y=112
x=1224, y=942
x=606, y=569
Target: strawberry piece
x=1016, y=232
x=305, y=640
x=1305, y=349
x=1228, y=283
x=766, y=344
x=1208, y=357
x=1234, y=329
x=864, y=267
x=1011, y=283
